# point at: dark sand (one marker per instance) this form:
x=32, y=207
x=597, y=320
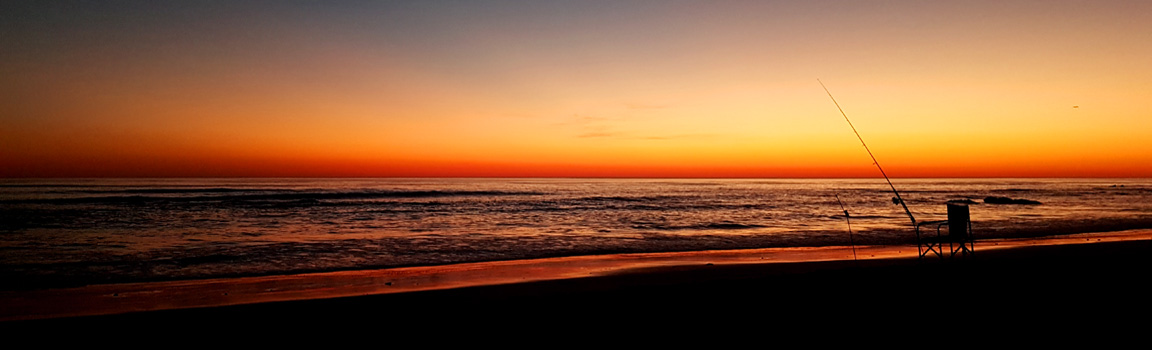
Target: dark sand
x=1066, y=282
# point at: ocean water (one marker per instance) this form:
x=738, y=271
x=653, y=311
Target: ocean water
x=72, y=232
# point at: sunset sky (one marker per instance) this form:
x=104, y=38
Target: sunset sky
x=575, y=88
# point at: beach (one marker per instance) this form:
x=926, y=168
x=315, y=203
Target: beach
x=1071, y=279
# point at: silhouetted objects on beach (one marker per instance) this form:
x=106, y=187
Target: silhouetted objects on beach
x=959, y=237
x=847, y=218
x=962, y=201
x=1006, y=200
x=895, y=200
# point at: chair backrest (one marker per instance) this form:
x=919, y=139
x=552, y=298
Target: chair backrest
x=958, y=220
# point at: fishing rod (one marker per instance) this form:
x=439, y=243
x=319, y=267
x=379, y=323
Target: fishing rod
x=847, y=218
x=874, y=161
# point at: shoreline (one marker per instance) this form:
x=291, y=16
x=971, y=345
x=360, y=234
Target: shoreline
x=601, y=278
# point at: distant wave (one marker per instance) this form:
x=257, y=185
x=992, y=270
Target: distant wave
x=626, y=199
x=908, y=191
x=1016, y=190
x=281, y=196
x=175, y=190
x=39, y=185
x=838, y=217
x=700, y=226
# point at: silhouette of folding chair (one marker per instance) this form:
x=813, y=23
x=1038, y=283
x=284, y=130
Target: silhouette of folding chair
x=958, y=239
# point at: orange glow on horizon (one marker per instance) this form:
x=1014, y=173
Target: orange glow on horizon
x=670, y=90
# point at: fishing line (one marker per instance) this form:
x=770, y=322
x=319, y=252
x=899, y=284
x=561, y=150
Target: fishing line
x=874, y=161
x=847, y=218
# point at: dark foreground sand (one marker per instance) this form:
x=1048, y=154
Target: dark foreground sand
x=1096, y=280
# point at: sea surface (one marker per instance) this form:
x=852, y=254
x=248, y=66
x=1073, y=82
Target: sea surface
x=65, y=232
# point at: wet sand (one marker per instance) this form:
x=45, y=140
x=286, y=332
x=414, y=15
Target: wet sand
x=1074, y=279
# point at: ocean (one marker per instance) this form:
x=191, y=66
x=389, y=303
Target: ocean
x=68, y=232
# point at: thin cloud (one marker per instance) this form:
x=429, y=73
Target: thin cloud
x=675, y=137
x=646, y=106
x=599, y=134
x=580, y=120
x=631, y=136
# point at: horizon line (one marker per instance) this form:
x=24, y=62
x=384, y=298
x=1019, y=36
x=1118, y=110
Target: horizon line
x=567, y=177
